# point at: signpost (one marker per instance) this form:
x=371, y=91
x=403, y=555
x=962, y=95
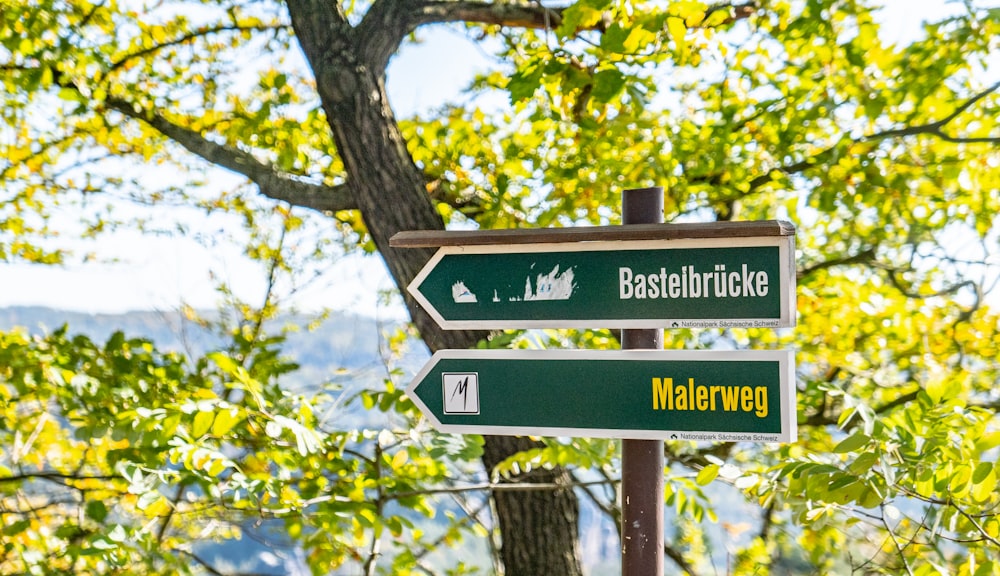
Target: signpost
x=643, y=461
x=703, y=395
x=641, y=277
x=741, y=281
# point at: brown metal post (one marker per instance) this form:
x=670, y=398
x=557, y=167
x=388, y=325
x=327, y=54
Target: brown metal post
x=642, y=460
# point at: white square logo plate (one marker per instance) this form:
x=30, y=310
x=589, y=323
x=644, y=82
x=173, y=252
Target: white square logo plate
x=461, y=392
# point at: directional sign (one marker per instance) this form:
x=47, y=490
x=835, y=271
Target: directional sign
x=651, y=394
x=702, y=282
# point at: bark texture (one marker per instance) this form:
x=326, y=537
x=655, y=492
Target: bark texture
x=539, y=528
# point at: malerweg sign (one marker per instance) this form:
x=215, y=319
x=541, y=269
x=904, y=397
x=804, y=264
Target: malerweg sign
x=652, y=394
x=675, y=281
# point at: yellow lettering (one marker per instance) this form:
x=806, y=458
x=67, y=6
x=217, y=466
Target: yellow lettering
x=701, y=398
x=760, y=397
x=681, y=402
x=746, y=398
x=729, y=397
x=663, y=394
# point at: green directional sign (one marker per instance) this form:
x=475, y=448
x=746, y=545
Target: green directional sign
x=702, y=282
x=651, y=394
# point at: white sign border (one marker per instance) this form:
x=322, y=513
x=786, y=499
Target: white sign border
x=786, y=383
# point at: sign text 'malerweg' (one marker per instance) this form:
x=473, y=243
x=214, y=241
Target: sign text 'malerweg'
x=711, y=398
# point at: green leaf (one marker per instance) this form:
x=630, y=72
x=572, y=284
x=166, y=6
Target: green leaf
x=613, y=39
x=16, y=527
x=607, y=84
x=984, y=482
x=707, y=474
x=72, y=95
x=96, y=510
x=852, y=443
x=202, y=423
x=985, y=569
x=864, y=462
x=524, y=83
x=936, y=389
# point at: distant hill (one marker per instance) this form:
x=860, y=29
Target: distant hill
x=341, y=341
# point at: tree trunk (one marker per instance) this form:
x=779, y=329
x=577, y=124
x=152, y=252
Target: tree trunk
x=539, y=529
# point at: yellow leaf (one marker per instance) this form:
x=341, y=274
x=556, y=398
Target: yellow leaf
x=707, y=474
x=159, y=34
x=399, y=459
x=695, y=18
x=202, y=422
x=678, y=32
x=224, y=421
x=158, y=508
x=717, y=18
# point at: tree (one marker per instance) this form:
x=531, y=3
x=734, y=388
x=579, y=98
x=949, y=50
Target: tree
x=882, y=155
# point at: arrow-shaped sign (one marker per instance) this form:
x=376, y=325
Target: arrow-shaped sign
x=653, y=394
x=700, y=282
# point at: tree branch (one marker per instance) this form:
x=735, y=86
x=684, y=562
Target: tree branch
x=823, y=419
x=388, y=22
x=864, y=257
x=736, y=11
x=529, y=15
x=900, y=549
x=931, y=129
x=52, y=476
x=185, y=38
x=934, y=128
x=897, y=283
x=451, y=490
x=613, y=512
x=678, y=558
x=271, y=182
x=509, y=15
x=207, y=566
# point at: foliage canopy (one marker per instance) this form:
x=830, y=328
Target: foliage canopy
x=886, y=157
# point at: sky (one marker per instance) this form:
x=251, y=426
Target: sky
x=162, y=273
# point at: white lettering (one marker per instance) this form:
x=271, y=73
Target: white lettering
x=654, y=285
x=674, y=283
x=693, y=283
x=640, y=286
x=747, y=282
x=624, y=283
x=720, y=281
x=762, y=283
